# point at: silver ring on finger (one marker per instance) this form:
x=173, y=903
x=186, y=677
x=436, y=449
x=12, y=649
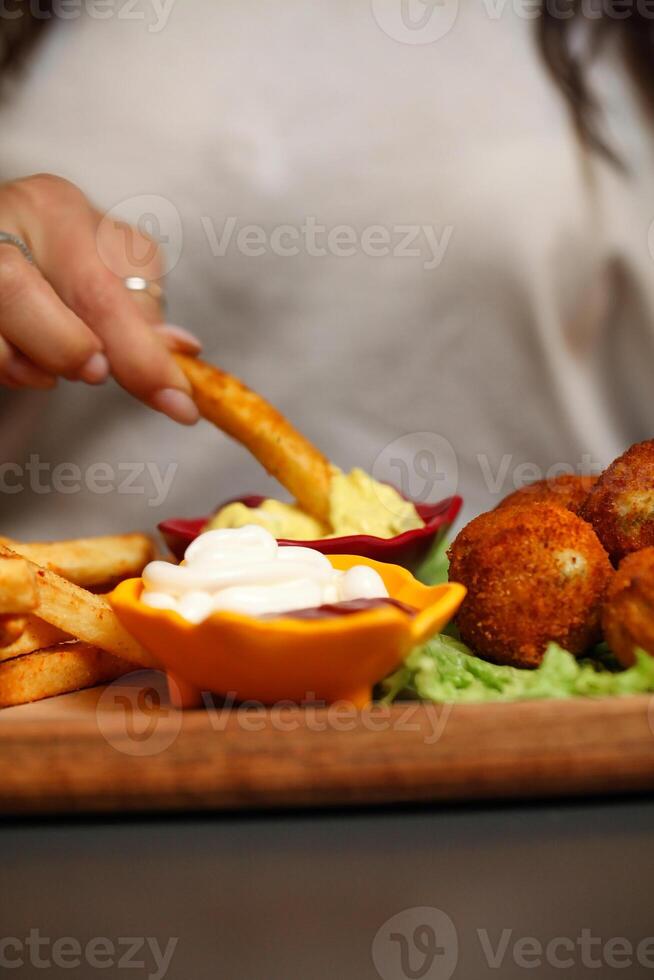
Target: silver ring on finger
x=6, y=238
x=137, y=284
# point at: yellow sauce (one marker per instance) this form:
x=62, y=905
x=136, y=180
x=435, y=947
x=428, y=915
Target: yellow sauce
x=358, y=505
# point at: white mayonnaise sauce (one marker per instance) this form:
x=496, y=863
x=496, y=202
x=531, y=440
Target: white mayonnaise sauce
x=244, y=570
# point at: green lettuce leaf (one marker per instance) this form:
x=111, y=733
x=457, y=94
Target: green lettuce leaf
x=446, y=670
x=435, y=567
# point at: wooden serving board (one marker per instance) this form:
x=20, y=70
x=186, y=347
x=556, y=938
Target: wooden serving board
x=106, y=750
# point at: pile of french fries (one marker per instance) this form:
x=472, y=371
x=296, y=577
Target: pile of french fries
x=56, y=635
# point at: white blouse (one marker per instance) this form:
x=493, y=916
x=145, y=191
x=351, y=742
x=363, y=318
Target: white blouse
x=385, y=226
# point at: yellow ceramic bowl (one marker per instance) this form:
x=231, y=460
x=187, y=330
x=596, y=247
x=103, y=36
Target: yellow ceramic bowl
x=289, y=659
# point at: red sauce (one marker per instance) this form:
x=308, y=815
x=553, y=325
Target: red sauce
x=330, y=610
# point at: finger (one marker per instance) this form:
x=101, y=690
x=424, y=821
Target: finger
x=17, y=372
x=131, y=254
x=149, y=305
x=126, y=250
x=150, y=300
x=96, y=295
x=35, y=321
x=6, y=353
x=178, y=338
x=139, y=359
x=96, y=370
x=24, y=374
x=152, y=305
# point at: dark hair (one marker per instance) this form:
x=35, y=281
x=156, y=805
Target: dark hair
x=568, y=61
x=556, y=27
x=20, y=30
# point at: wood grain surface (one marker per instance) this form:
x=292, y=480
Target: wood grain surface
x=117, y=750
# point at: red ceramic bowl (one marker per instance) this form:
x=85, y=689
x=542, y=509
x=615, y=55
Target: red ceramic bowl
x=408, y=550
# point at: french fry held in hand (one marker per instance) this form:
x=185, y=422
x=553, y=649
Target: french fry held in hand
x=18, y=595
x=90, y=562
x=57, y=670
x=82, y=614
x=251, y=420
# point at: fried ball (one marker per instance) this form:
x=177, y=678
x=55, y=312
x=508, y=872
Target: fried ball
x=628, y=614
x=534, y=575
x=621, y=504
x=567, y=491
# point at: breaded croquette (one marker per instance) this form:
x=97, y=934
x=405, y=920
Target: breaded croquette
x=628, y=614
x=566, y=491
x=621, y=504
x=534, y=575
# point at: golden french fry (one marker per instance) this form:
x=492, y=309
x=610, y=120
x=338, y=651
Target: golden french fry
x=251, y=420
x=17, y=585
x=58, y=670
x=82, y=614
x=90, y=561
x=36, y=635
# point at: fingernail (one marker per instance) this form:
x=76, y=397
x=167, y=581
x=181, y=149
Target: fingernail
x=179, y=338
x=95, y=371
x=177, y=405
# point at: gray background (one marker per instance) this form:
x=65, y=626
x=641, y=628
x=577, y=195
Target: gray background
x=281, y=896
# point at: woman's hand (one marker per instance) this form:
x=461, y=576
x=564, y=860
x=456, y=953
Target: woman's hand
x=71, y=314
